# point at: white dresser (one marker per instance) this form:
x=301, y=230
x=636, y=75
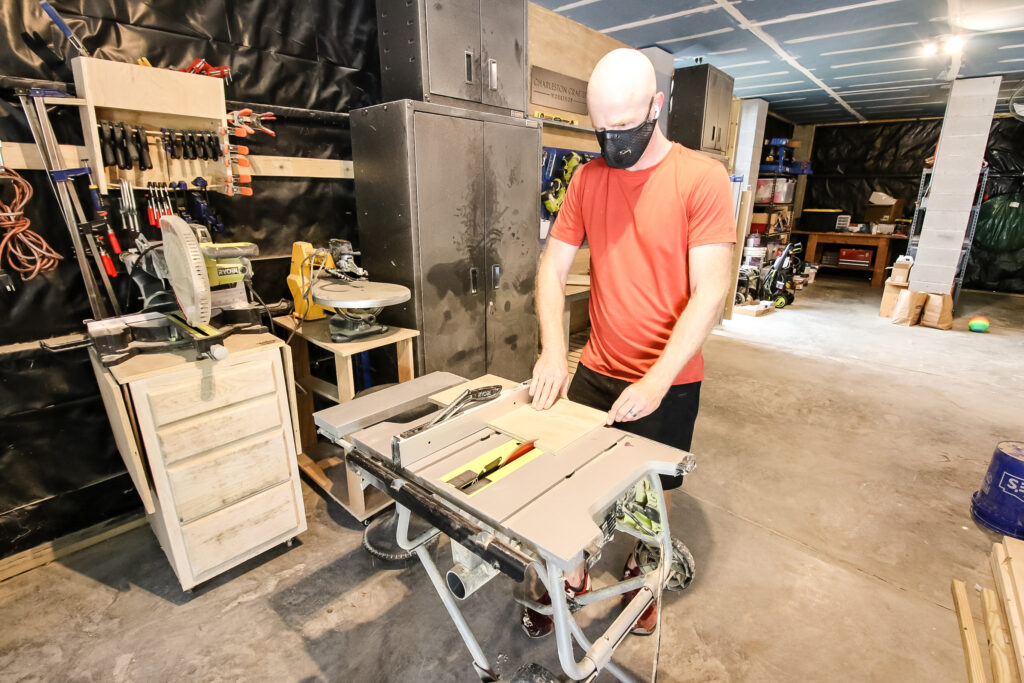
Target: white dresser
x=211, y=447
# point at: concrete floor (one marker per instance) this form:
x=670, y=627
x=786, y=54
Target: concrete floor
x=836, y=458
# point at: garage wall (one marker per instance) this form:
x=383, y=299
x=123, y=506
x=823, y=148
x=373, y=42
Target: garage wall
x=59, y=469
x=851, y=161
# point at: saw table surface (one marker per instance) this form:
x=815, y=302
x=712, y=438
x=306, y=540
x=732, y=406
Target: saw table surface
x=357, y=293
x=550, y=501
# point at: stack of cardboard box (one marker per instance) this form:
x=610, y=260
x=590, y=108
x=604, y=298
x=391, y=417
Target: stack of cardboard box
x=905, y=307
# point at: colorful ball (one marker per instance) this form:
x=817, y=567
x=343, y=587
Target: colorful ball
x=978, y=323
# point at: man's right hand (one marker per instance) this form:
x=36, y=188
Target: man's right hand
x=550, y=380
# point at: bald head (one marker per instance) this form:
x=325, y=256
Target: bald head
x=620, y=90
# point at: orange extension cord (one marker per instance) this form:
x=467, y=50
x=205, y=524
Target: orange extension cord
x=22, y=249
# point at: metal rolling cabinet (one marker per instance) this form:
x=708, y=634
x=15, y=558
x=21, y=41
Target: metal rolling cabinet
x=466, y=53
x=701, y=102
x=464, y=241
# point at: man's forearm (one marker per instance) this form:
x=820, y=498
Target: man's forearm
x=698, y=318
x=550, y=304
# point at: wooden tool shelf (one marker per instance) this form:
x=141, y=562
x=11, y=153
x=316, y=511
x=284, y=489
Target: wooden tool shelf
x=153, y=98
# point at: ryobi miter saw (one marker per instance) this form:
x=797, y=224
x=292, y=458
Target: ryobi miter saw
x=194, y=295
x=323, y=280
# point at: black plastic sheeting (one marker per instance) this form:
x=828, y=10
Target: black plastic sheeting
x=59, y=469
x=852, y=161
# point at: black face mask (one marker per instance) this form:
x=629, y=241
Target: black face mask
x=623, y=148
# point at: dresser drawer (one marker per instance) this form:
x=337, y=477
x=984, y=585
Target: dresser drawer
x=208, y=387
x=235, y=530
x=208, y=431
x=227, y=475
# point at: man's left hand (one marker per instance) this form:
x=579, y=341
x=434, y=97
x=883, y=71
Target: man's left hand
x=637, y=400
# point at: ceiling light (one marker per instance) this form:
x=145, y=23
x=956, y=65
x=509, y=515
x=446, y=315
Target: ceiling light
x=954, y=45
x=929, y=49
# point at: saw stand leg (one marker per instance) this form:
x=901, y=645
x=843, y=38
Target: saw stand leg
x=598, y=655
x=419, y=546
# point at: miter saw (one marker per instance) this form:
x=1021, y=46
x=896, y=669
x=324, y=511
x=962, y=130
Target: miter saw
x=323, y=280
x=194, y=295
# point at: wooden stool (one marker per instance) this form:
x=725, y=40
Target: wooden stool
x=327, y=470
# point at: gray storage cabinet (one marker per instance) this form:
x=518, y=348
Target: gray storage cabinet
x=469, y=53
x=448, y=205
x=701, y=103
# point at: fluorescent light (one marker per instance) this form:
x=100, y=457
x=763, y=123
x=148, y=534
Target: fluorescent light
x=849, y=33
x=658, y=20
x=733, y=66
x=875, y=61
x=878, y=73
x=1007, y=61
x=694, y=36
x=953, y=45
x=929, y=49
x=770, y=73
x=784, y=92
x=872, y=48
x=574, y=5
x=832, y=10
x=790, y=99
x=1011, y=47
x=728, y=52
x=767, y=85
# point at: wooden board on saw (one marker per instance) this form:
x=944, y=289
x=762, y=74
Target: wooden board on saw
x=443, y=398
x=553, y=428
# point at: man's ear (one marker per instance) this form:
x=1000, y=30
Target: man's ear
x=659, y=102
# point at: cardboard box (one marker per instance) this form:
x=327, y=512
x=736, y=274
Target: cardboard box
x=889, y=294
x=878, y=213
x=901, y=272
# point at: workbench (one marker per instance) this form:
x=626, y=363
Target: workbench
x=327, y=468
x=210, y=446
x=815, y=241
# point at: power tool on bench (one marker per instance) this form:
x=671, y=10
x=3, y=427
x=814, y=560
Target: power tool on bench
x=194, y=295
x=329, y=280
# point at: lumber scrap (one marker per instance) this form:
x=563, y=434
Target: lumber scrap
x=1000, y=648
x=968, y=634
x=1009, y=601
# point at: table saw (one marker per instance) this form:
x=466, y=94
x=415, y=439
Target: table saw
x=442, y=448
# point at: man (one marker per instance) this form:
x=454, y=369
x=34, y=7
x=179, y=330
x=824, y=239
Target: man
x=660, y=224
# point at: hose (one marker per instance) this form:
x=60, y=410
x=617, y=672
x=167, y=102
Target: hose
x=22, y=249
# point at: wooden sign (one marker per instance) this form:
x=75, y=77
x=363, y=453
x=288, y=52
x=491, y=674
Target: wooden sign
x=552, y=89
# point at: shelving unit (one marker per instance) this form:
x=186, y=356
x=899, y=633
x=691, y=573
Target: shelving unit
x=153, y=98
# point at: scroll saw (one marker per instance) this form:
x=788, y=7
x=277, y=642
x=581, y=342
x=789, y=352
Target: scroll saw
x=470, y=471
x=194, y=295
x=328, y=280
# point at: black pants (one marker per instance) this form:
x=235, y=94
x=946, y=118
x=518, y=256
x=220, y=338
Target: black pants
x=671, y=424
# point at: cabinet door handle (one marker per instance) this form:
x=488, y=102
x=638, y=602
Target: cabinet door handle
x=492, y=73
x=469, y=66
x=495, y=276
x=474, y=280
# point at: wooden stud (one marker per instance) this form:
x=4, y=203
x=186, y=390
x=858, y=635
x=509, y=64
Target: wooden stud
x=968, y=635
x=406, y=366
x=1009, y=600
x=346, y=380
x=1000, y=649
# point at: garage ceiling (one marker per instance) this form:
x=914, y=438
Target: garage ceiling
x=823, y=61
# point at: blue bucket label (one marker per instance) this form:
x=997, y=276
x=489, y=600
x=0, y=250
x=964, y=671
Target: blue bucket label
x=1012, y=486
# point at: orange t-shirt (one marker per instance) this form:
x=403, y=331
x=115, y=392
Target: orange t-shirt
x=640, y=226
